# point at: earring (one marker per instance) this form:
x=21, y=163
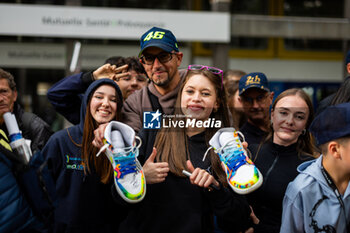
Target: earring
x=303, y=132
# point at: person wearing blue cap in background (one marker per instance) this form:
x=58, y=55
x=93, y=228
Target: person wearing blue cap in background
x=338, y=97
x=318, y=200
x=256, y=99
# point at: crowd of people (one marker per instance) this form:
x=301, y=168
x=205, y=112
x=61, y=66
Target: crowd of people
x=300, y=160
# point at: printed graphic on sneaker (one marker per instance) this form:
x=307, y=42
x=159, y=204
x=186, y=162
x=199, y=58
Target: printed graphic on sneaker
x=242, y=175
x=122, y=152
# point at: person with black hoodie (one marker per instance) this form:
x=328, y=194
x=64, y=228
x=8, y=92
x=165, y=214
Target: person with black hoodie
x=286, y=147
x=175, y=202
x=84, y=181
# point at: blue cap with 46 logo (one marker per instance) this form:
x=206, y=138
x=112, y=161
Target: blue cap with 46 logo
x=160, y=38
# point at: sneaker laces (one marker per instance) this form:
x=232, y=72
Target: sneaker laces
x=105, y=146
x=125, y=165
x=227, y=155
x=125, y=159
x=206, y=152
x=232, y=159
x=230, y=156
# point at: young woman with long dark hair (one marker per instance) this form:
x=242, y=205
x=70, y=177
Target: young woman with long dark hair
x=84, y=181
x=174, y=202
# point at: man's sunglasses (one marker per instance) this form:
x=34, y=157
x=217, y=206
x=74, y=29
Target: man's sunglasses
x=163, y=57
x=259, y=99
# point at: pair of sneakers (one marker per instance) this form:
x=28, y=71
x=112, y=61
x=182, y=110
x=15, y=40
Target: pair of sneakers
x=122, y=151
x=129, y=179
x=242, y=175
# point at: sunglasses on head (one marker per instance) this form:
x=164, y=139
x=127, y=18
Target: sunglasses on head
x=213, y=70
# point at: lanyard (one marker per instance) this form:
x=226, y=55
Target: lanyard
x=336, y=192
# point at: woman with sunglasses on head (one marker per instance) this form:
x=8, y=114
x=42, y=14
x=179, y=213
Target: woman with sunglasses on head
x=288, y=145
x=84, y=181
x=175, y=202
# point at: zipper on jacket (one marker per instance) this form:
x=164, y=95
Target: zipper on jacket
x=270, y=169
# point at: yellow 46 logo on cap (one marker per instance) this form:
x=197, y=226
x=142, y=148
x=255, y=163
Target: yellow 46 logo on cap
x=154, y=35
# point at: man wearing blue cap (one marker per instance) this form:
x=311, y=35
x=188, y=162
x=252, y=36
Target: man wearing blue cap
x=161, y=59
x=256, y=99
x=318, y=200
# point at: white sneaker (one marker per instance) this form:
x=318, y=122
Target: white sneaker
x=129, y=178
x=242, y=175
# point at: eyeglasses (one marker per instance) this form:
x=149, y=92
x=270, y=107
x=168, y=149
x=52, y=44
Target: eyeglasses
x=213, y=70
x=163, y=57
x=259, y=99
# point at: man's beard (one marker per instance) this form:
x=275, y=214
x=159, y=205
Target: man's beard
x=258, y=121
x=162, y=83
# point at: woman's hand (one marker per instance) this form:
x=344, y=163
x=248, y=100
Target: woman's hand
x=155, y=172
x=99, y=135
x=201, y=177
x=255, y=220
x=253, y=217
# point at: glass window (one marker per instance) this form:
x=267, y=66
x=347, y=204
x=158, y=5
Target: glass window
x=248, y=43
x=314, y=8
x=256, y=7
x=313, y=45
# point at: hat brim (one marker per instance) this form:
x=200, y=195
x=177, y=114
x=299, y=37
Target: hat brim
x=254, y=86
x=164, y=47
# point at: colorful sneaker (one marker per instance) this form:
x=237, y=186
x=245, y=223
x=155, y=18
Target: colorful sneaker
x=129, y=178
x=242, y=175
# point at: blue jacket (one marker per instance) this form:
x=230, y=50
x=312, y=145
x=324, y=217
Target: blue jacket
x=15, y=213
x=84, y=203
x=310, y=205
x=67, y=94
